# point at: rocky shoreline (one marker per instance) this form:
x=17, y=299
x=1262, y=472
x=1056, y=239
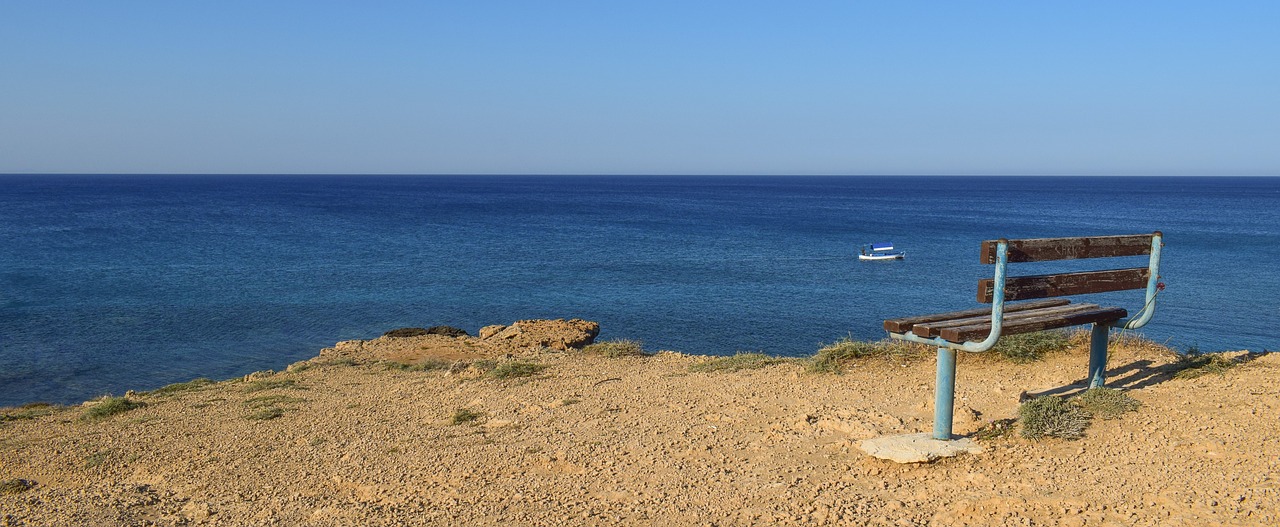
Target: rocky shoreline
x=425, y=429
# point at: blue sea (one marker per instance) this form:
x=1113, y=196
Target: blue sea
x=111, y=283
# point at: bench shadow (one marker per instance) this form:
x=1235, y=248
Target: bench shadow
x=1135, y=375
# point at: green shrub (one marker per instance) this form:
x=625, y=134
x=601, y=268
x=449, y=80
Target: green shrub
x=513, y=369
x=1106, y=403
x=110, y=406
x=739, y=361
x=617, y=348
x=1052, y=416
x=1030, y=347
x=464, y=415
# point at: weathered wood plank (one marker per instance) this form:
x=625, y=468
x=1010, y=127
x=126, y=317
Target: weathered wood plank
x=1044, y=249
x=1066, y=284
x=902, y=325
x=981, y=331
x=933, y=329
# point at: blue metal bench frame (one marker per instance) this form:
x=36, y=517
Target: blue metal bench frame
x=944, y=399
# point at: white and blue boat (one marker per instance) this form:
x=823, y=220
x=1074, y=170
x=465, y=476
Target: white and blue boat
x=880, y=251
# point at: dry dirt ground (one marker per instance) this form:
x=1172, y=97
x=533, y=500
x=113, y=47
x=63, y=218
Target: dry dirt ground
x=591, y=440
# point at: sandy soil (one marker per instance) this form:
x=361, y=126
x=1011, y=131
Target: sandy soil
x=593, y=440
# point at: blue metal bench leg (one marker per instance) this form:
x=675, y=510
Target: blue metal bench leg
x=1098, y=355
x=945, y=397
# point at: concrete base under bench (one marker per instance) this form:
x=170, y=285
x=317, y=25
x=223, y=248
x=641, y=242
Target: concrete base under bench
x=917, y=448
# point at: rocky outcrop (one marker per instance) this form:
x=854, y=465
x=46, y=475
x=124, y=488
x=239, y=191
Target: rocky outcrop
x=556, y=334
x=418, y=345
x=448, y=331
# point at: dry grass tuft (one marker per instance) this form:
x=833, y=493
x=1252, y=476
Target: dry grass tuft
x=178, y=387
x=15, y=486
x=835, y=357
x=465, y=416
x=268, y=384
x=1195, y=363
x=1052, y=417
x=514, y=369
x=617, y=348
x=1106, y=403
x=425, y=365
x=1031, y=347
x=27, y=411
x=111, y=406
x=737, y=362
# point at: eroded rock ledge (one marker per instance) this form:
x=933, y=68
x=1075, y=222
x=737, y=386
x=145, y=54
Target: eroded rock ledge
x=524, y=337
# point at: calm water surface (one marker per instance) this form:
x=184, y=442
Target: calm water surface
x=109, y=283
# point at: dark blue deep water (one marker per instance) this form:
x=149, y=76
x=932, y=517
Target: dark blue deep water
x=110, y=283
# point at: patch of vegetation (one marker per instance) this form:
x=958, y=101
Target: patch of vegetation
x=341, y=362
x=513, y=369
x=835, y=357
x=617, y=348
x=1030, y=347
x=465, y=416
x=265, y=414
x=181, y=386
x=1052, y=417
x=299, y=367
x=27, y=411
x=268, y=384
x=15, y=486
x=267, y=407
x=1106, y=403
x=737, y=362
x=110, y=406
x=426, y=365
x=98, y=458
x=569, y=401
x=995, y=429
x=272, y=400
x=1195, y=363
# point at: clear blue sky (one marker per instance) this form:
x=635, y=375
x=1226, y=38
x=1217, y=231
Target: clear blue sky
x=692, y=87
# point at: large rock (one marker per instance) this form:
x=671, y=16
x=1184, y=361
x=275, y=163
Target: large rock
x=418, y=345
x=559, y=334
x=448, y=331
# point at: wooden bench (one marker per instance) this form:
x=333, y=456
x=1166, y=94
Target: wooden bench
x=978, y=330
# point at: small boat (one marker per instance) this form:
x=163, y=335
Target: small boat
x=880, y=251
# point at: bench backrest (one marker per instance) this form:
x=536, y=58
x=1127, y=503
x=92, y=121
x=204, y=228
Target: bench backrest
x=1076, y=283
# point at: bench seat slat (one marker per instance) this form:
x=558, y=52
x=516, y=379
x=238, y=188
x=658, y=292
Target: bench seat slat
x=903, y=325
x=980, y=331
x=1044, y=249
x=932, y=329
x=1065, y=284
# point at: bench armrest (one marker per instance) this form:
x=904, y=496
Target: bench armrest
x=1153, y=287
x=997, y=312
